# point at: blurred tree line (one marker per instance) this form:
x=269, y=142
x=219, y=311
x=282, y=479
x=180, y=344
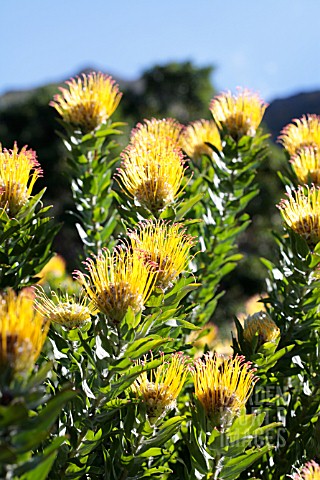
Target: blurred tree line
x=179, y=90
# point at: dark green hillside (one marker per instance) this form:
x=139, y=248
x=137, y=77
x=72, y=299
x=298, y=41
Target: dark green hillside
x=281, y=111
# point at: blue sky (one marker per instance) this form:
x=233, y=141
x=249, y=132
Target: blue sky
x=270, y=46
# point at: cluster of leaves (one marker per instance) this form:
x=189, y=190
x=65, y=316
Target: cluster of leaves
x=92, y=171
x=289, y=388
x=27, y=419
x=26, y=243
x=108, y=430
x=227, y=183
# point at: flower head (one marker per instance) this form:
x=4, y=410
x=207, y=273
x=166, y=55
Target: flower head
x=167, y=131
x=152, y=174
x=302, y=132
x=196, y=135
x=260, y=325
x=310, y=471
x=164, y=245
x=117, y=281
x=160, y=389
x=23, y=331
x=18, y=173
x=306, y=165
x=301, y=212
x=239, y=114
x=70, y=311
x=88, y=101
x=223, y=386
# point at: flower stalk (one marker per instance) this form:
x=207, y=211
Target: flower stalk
x=86, y=107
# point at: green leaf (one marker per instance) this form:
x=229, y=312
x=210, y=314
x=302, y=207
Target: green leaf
x=152, y=452
x=13, y=414
x=39, y=377
x=234, y=466
x=265, y=363
x=245, y=425
x=151, y=472
x=90, y=442
x=142, y=346
x=7, y=455
x=37, y=428
x=187, y=205
x=165, y=433
x=39, y=467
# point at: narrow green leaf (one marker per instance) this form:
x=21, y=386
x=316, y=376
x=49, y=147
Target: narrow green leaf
x=234, y=466
x=37, y=428
x=187, y=205
x=13, y=414
x=39, y=467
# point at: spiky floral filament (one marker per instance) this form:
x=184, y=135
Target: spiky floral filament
x=152, y=174
x=239, y=114
x=88, y=101
x=18, y=174
x=260, y=325
x=70, y=311
x=166, y=246
x=167, y=131
x=116, y=281
x=23, y=330
x=306, y=165
x=301, y=212
x=223, y=386
x=310, y=471
x=300, y=133
x=196, y=135
x=160, y=388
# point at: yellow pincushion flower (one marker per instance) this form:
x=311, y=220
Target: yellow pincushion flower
x=239, y=114
x=160, y=388
x=260, y=325
x=195, y=136
x=311, y=471
x=306, y=165
x=302, y=132
x=223, y=386
x=301, y=212
x=22, y=331
x=167, y=131
x=18, y=173
x=88, y=101
x=70, y=311
x=152, y=174
x=117, y=281
x=164, y=245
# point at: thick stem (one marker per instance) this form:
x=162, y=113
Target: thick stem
x=219, y=458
